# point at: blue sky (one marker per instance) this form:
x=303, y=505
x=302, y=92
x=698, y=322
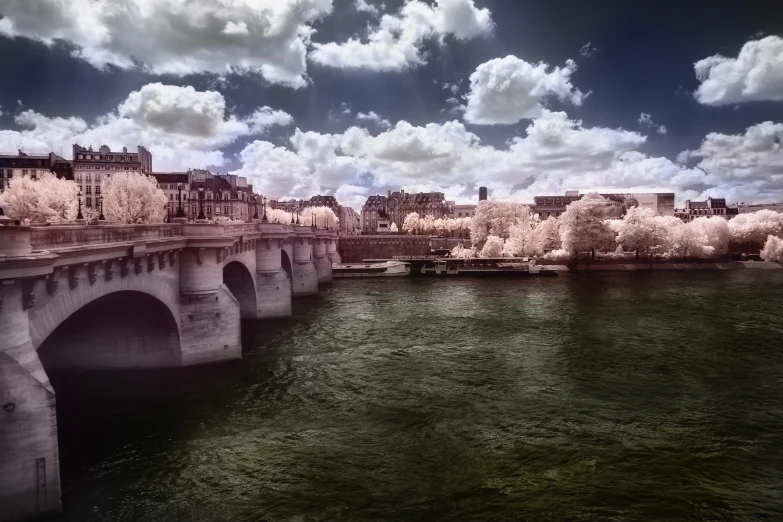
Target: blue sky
x=354, y=97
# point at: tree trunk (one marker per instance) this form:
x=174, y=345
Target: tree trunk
x=592, y=254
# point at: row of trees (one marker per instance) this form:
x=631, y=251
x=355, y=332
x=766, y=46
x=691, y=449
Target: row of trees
x=428, y=225
x=323, y=217
x=504, y=228
x=127, y=198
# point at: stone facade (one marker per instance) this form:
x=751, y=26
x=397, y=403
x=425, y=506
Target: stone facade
x=395, y=206
x=357, y=248
x=710, y=207
x=91, y=168
x=33, y=165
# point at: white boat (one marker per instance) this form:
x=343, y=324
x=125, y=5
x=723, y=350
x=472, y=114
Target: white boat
x=385, y=269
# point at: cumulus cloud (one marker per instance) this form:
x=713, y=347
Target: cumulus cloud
x=645, y=120
x=269, y=37
x=182, y=127
x=363, y=7
x=373, y=117
x=556, y=154
x=506, y=90
x=396, y=42
x=756, y=74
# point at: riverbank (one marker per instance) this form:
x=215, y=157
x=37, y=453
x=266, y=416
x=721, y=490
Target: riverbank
x=619, y=265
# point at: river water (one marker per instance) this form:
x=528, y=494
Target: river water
x=615, y=396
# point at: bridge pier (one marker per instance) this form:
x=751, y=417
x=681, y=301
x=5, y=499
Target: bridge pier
x=323, y=264
x=273, y=284
x=331, y=251
x=305, y=280
x=29, y=457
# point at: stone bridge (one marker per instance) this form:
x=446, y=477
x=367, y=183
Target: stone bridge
x=128, y=296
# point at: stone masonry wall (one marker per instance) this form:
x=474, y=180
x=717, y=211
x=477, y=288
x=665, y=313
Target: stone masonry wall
x=354, y=249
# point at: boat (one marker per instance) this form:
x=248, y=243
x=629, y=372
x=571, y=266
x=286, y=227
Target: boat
x=384, y=269
x=478, y=267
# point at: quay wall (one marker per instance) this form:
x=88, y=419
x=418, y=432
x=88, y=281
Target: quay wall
x=353, y=249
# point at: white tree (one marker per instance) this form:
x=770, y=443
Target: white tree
x=393, y=228
x=495, y=218
x=638, y=231
x=583, y=225
x=546, y=236
x=277, y=215
x=773, y=250
x=493, y=247
x=687, y=242
x=411, y=223
x=462, y=252
x=427, y=225
x=716, y=230
x=48, y=199
x=133, y=198
x=323, y=217
x=749, y=232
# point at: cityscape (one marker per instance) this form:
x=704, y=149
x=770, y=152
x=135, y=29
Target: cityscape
x=393, y=260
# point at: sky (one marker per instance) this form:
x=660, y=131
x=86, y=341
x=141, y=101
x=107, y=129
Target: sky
x=355, y=97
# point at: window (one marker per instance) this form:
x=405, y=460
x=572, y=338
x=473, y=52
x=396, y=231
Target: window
x=89, y=189
x=193, y=210
x=171, y=197
x=225, y=209
x=80, y=156
x=24, y=172
x=97, y=190
x=88, y=178
x=110, y=157
x=209, y=209
x=88, y=201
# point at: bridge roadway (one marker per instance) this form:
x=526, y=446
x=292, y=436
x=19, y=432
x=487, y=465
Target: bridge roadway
x=128, y=296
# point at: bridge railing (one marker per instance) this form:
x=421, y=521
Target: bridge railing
x=54, y=237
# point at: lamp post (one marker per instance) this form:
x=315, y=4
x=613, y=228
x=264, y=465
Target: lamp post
x=255, y=207
x=79, y=214
x=297, y=216
x=201, y=203
x=264, y=219
x=180, y=211
x=292, y=215
x=100, y=201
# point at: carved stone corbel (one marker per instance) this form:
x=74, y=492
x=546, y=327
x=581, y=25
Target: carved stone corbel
x=162, y=260
x=137, y=269
x=219, y=253
x=108, y=270
x=92, y=275
x=199, y=259
x=73, y=281
x=150, y=263
x=267, y=243
x=172, y=257
x=28, y=295
x=124, y=268
x=51, y=283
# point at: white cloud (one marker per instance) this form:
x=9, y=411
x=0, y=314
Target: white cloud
x=176, y=37
x=755, y=75
x=363, y=7
x=373, y=117
x=557, y=154
x=645, y=120
x=396, y=43
x=506, y=90
x=182, y=127
x=587, y=49
x=746, y=166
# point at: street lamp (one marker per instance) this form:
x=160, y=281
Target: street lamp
x=255, y=207
x=180, y=211
x=79, y=214
x=292, y=215
x=297, y=216
x=201, y=203
x=100, y=217
x=264, y=219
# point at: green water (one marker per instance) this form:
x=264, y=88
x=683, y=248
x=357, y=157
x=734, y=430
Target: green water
x=618, y=396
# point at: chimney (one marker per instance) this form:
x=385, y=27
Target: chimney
x=388, y=193
x=482, y=193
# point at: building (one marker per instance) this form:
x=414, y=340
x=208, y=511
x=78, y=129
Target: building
x=170, y=183
x=482, y=193
x=349, y=219
x=744, y=208
x=91, y=168
x=710, y=207
x=460, y=211
x=224, y=195
x=22, y=164
x=661, y=203
x=395, y=206
x=350, y=222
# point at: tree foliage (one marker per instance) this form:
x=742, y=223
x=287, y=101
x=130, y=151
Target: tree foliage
x=323, y=217
x=46, y=199
x=129, y=197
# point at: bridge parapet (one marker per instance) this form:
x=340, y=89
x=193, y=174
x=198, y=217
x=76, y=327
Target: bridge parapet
x=65, y=236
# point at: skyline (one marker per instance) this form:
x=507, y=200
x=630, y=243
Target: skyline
x=611, y=98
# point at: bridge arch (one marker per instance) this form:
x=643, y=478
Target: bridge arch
x=239, y=280
x=122, y=329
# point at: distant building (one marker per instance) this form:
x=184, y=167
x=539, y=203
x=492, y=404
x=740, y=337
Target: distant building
x=661, y=203
x=395, y=206
x=224, y=195
x=23, y=164
x=460, y=211
x=710, y=207
x=744, y=208
x=168, y=183
x=349, y=221
x=91, y=168
x=482, y=193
